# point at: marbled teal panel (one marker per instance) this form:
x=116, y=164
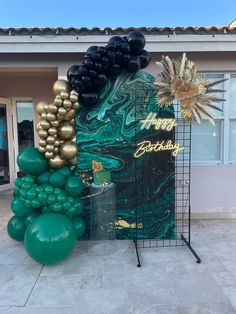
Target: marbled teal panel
x=109, y=134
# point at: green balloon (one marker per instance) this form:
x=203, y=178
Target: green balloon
x=50, y=238
x=31, y=161
x=31, y=194
x=23, y=194
x=66, y=205
x=40, y=189
x=46, y=209
x=27, y=203
x=26, y=186
x=18, y=182
x=79, y=226
x=56, y=207
x=28, y=179
x=61, y=198
x=18, y=207
x=48, y=189
x=65, y=170
x=36, y=203
x=74, y=186
x=16, y=191
x=57, y=191
x=16, y=228
x=43, y=178
x=30, y=217
x=51, y=199
x=79, y=206
x=57, y=179
x=42, y=196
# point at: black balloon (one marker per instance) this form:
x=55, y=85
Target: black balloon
x=91, y=50
x=88, y=63
x=86, y=80
x=145, y=59
x=126, y=58
x=112, y=57
x=73, y=71
x=92, y=73
x=100, y=80
x=105, y=63
x=134, y=64
x=119, y=57
x=102, y=50
x=82, y=70
x=136, y=41
x=111, y=47
x=89, y=99
x=125, y=47
x=97, y=66
x=117, y=40
x=77, y=84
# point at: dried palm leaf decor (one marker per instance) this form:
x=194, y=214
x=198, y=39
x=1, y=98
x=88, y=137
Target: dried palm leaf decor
x=179, y=80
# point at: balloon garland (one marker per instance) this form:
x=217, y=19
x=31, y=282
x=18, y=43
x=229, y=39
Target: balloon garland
x=47, y=201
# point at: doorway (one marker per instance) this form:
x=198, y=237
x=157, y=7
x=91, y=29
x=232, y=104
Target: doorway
x=17, y=131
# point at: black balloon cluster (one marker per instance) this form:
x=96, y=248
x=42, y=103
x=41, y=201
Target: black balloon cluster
x=101, y=63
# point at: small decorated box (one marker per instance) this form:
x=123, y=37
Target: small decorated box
x=102, y=177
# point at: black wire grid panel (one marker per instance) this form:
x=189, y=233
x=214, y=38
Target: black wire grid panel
x=181, y=165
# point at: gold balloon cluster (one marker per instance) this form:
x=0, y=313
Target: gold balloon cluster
x=56, y=126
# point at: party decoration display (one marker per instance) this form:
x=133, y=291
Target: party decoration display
x=50, y=238
x=107, y=135
x=44, y=205
x=103, y=63
x=56, y=127
x=180, y=80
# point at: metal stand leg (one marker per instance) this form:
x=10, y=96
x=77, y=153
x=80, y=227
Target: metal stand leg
x=198, y=260
x=137, y=253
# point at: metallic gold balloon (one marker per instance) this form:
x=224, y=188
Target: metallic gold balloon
x=69, y=150
x=45, y=124
x=55, y=123
x=61, y=111
x=58, y=101
x=52, y=131
x=57, y=143
x=56, y=162
x=42, y=142
x=51, y=116
x=74, y=96
x=45, y=108
x=73, y=161
x=61, y=86
x=56, y=149
x=50, y=139
x=67, y=103
x=42, y=134
x=49, y=148
x=69, y=115
x=40, y=107
x=52, y=108
x=38, y=126
x=48, y=154
x=64, y=95
x=76, y=105
x=42, y=149
x=66, y=131
x=44, y=115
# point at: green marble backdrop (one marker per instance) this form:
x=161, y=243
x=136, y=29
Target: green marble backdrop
x=109, y=133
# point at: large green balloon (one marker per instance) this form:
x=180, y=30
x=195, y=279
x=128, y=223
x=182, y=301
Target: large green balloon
x=43, y=178
x=57, y=179
x=65, y=170
x=50, y=238
x=74, y=186
x=16, y=228
x=79, y=226
x=31, y=161
x=19, y=208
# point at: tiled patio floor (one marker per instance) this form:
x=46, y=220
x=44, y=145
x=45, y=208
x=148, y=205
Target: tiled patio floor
x=102, y=277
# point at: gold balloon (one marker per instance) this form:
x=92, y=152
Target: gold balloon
x=74, y=96
x=52, y=131
x=45, y=108
x=38, y=126
x=50, y=139
x=69, y=115
x=42, y=149
x=45, y=124
x=55, y=123
x=57, y=143
x=51, y=116
x=76, y=105
x=61, y=111
x=52, y=108
x=56, y=162
x=66, y=131
x=56, y=149
x=58, y=101
x=61, y=86
x=42, y=142
x=44, y=115
x=67, y=104
x=73, y=161
x=43, y=134
x=49, y=148
x=69, y=150
x=48, y=154
x=40, y=107
x=64, y=95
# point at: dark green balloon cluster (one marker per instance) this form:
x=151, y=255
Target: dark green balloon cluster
x=42, y=196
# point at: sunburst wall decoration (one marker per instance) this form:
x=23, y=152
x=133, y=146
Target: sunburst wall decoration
x=179, y=80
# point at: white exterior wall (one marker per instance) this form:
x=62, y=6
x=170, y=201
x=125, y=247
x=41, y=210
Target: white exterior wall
x=213, y=187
